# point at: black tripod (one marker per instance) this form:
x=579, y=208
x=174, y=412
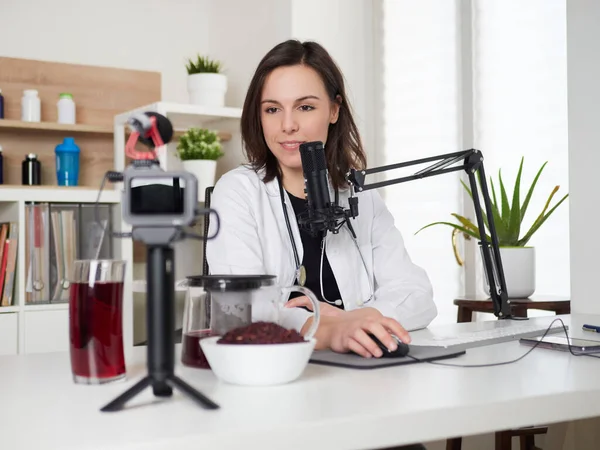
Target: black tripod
x=161, y=342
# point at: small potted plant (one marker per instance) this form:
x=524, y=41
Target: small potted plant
x=199, y=149
x=518, y=259
x=205, y=83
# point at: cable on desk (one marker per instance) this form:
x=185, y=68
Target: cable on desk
x=502, y=363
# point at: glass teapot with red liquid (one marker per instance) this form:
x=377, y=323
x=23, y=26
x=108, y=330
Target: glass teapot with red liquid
x=216, y=304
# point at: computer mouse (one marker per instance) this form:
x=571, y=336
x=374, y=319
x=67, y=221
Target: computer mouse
x=401, y=351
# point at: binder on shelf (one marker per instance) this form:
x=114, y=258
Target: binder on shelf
x=94, y=226
x=4, y=227
x=37, y=253
x=63, y=248
x=9, y=241
x=57, y=234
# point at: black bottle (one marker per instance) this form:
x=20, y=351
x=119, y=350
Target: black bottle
x=31, y=171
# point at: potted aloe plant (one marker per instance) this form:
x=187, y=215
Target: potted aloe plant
x=199, y=149
x=518, y=259
x=206, y=84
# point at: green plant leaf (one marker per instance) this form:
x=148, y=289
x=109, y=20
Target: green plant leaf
x=453, y=225
x=514, y=226
x=505, y=207
x=501, y=229
x=466, y=223
x=468, y=189
x=470, y=225
x=494, y=201
x=546, y=206
x=538, y=223
x=530, y=192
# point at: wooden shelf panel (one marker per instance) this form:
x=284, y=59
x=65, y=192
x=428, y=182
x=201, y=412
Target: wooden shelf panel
x=77, y=128
x=95, y=159
x=51, y=126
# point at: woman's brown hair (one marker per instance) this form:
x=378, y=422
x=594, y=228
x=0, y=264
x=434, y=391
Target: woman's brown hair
x=343, y=149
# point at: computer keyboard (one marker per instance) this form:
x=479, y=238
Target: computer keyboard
x=488, y=332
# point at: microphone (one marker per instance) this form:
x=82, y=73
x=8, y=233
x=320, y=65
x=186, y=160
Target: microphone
x=151, y=129
x=314, y=167
x=321, y=213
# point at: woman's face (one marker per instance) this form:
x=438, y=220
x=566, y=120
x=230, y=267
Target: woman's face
x=295, y=108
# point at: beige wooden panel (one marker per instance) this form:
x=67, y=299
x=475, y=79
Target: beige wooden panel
x=99, y=92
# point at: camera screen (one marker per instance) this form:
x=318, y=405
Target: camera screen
x=157, y=196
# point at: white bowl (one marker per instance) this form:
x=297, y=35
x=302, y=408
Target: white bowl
x=257, y=364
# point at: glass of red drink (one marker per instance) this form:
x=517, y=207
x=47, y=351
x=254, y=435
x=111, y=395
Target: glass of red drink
x=95, y=321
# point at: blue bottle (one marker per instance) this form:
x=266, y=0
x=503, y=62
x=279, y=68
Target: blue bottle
x=67, y=162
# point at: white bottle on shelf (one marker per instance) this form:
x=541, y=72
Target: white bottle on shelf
x=30, y=106
x=66, y=108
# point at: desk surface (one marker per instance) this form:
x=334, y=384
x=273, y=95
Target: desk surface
x=328, y=407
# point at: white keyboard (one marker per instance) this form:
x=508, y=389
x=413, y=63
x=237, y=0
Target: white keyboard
x=490, y=332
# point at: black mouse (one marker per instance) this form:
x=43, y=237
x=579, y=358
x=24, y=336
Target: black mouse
x=401, y=351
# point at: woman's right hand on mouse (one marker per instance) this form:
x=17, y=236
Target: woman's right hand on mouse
x=348, y=332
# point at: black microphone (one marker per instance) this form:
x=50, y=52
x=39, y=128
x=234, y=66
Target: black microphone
x=321, y=214
x=314, y=167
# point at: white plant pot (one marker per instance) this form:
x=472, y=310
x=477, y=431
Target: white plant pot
x=204, y=170
x=519, y=271
x=207, y=89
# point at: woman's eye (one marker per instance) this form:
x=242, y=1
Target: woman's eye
x=271, y=110
x=307, y=108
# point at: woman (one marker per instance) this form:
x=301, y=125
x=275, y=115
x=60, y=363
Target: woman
x=367, y=286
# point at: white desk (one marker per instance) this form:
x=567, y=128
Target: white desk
x=328, y=407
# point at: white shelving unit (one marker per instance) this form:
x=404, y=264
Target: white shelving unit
x=225, y=120
x=35, y=328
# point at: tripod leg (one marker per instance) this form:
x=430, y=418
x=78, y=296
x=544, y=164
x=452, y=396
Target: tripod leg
x=120, y=401
x=161, y=389
x=187, y=389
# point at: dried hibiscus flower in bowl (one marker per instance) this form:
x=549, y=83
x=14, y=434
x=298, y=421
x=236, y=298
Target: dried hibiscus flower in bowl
x=261, y=333
x=259, y=354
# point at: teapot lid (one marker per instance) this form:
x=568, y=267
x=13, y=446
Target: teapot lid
x=230, y=282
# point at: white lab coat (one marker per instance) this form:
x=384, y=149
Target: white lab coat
x=253, y=239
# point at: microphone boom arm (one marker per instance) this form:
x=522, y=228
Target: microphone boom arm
x=471, y=161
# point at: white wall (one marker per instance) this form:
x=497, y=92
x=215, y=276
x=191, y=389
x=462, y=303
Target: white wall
x=583, y=73
x=258, y=25
x=151, y=35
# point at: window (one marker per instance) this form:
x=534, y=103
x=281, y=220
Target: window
x=421, y=117
x=520, y=109
x=515, y=105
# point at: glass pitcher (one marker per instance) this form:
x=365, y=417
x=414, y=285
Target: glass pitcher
x=216, y=304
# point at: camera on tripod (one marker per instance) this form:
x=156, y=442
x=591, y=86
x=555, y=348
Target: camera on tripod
x=158, y=205
x=155, y=198
x=152, y=197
